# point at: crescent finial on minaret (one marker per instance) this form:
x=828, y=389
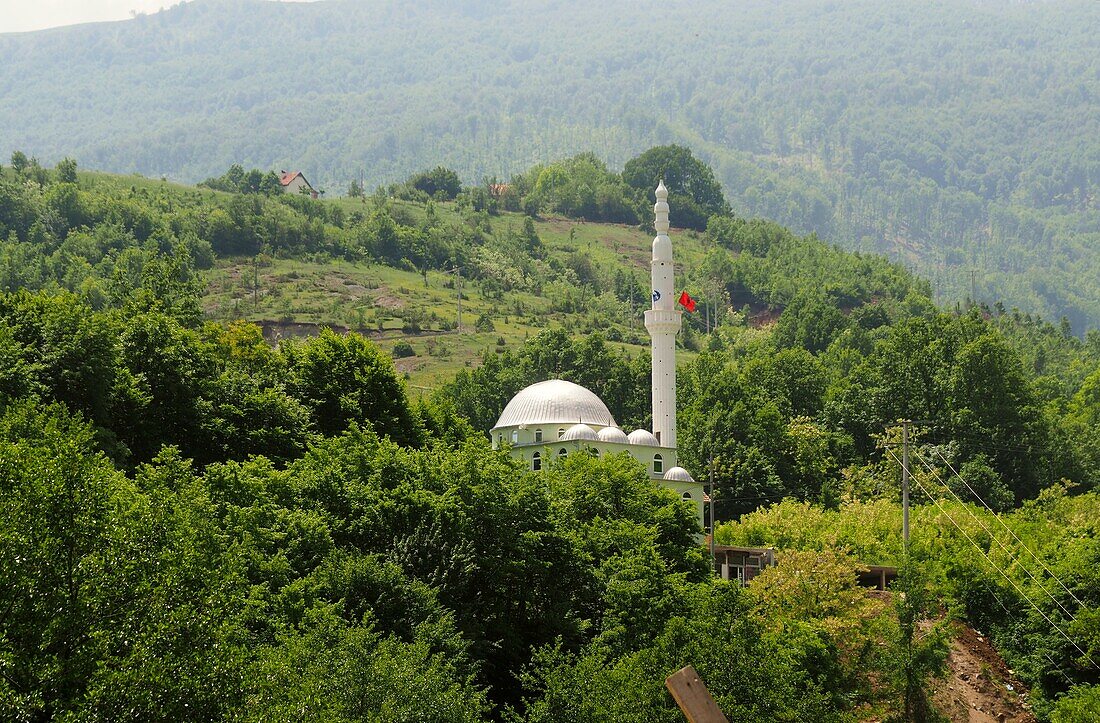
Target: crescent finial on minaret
x=660, y=209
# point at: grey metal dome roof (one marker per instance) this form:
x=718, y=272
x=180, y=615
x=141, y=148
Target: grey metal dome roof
x=678, y=474
x=555, y=401
x=643, y=438
x=580, y=431
x=612, y=434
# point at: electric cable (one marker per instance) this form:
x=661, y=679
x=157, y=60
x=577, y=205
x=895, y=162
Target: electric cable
x=1012, y=617
x=992, y=564
x=1011, y=554
x=1010, y=531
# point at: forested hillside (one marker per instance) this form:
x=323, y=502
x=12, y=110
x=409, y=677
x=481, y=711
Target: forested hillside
x=957, y=137
x=198, y=523
x=395, y=264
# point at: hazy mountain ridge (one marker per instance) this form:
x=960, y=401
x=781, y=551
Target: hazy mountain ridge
x=949, y=135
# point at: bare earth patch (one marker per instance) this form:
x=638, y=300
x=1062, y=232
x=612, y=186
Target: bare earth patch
x=979, y=687
x=387, y=300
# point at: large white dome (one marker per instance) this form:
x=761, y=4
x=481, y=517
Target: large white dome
x=555, y=402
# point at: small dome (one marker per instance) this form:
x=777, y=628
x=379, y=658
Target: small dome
x=555, y=402
x=580, y=431
x=678, y=474
x=642, y=438
x=613, y=434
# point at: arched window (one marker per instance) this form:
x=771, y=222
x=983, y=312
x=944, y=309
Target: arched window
x=561, y=432
x=536, y=462
x=562, y=452
x=538, y=435
x=686, y=497
x=515, y=436
x=658, y=464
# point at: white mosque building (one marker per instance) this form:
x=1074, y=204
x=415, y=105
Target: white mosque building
x=555, y=418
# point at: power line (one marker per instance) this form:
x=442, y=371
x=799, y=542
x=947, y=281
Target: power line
x=1010, y=531
x=1012, y=617
x=992, y=564
x=977, y=438
x=994, y=537
x=982, y=440
x=777, y=496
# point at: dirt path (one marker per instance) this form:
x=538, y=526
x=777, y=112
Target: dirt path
x=275, y=330
x=979, y=687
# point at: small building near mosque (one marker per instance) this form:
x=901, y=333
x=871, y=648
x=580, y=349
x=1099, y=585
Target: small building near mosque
x=742, y=563
x=745, y=563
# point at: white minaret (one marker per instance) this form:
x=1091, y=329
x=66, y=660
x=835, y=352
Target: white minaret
x=663, y=323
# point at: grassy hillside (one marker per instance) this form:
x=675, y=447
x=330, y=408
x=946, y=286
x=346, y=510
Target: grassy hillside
x=378, y=300
x=296, y=264
x=954, y=136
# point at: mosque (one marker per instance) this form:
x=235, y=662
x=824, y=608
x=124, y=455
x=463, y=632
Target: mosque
x=555, y=417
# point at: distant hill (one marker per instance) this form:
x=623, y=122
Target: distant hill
x=953, y=136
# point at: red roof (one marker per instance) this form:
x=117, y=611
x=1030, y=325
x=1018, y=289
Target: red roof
x=288, y=176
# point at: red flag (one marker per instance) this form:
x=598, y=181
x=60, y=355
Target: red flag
x=687, y=302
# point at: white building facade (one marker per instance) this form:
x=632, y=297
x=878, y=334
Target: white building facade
x=554, y=418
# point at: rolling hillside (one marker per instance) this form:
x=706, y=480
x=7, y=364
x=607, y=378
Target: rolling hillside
x=955, y=136
x=247, y=531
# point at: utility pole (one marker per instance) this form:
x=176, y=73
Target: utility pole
x=712, y=513
x=457, y=271
x=905, y=485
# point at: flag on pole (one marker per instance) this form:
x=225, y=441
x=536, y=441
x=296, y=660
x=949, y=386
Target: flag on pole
x=687, y=302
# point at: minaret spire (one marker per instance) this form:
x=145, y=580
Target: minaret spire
x=660, y=209
x=663, y=323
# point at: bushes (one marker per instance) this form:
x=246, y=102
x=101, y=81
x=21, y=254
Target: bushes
x=439, y=183
x=957, y=575
x=1080, y=705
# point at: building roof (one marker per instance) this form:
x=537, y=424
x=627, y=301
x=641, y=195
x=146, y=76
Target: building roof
x=613, y=434
x=678, y=474
x=580, y=432
x=643, y=438
x=555, y=401
x=285, y=177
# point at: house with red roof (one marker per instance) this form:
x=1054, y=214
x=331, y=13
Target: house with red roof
x=295, y=182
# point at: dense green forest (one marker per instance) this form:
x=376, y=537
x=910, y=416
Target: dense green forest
x=956, y=137
x=196, y=524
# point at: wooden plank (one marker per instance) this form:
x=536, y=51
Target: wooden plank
x=692, y=696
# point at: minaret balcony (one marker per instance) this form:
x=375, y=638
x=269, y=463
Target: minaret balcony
x=662, y=321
